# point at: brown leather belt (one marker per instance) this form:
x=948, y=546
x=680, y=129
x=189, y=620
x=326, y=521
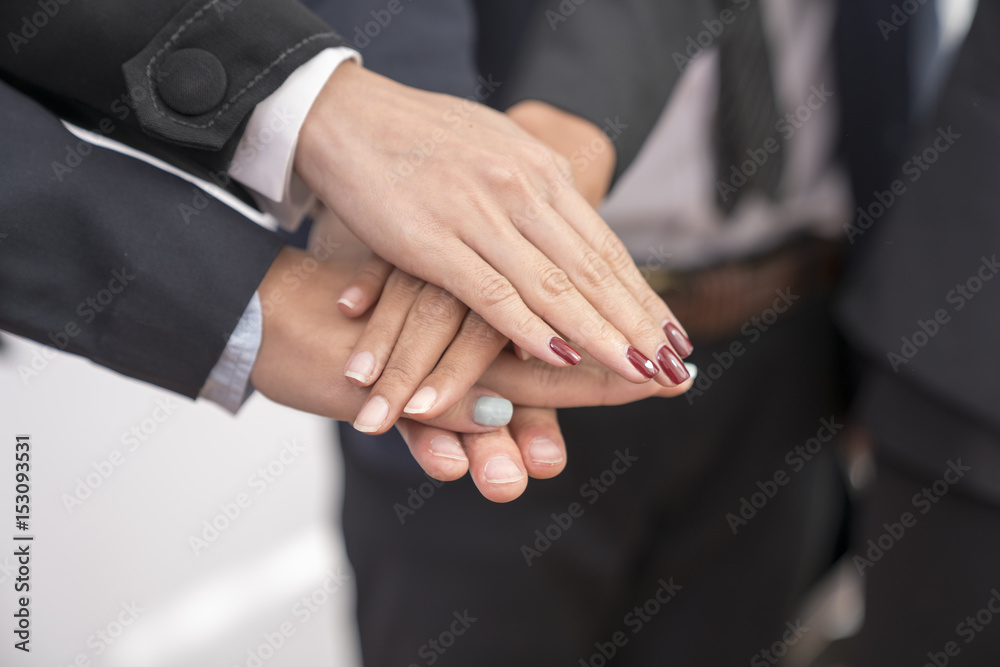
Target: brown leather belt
x=715, y=302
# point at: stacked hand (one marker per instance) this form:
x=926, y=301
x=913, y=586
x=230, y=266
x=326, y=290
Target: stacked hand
x=306, y=345
x=461, y=196
x=510, y=252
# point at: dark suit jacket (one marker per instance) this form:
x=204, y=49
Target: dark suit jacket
x=99, y=261
x=181, y=74
x=923, y=301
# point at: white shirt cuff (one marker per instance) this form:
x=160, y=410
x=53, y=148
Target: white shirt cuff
x=229, y=382
x=265, y=156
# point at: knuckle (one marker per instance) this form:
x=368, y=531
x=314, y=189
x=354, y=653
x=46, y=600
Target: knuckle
x=370, y=273
x=437, y=307
x=494, y=290
x=614, y=252
x=564, y=166
x=399, y=375
x=524, y=325
x=553, y=283
x=407, y=283
x=602, y=331
x=505, y=173
x=644, y=329
x=594, y=271
x=478, y=329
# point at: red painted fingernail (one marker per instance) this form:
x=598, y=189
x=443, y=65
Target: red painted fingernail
x=678, y=339
x=641, y=362
x=672, y=365
x=565, y=351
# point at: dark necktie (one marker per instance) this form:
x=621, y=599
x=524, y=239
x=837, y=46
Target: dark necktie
x=747, y=113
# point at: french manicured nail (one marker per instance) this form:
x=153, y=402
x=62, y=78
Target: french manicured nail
x=543, y=450
x=361, y=367
x=672, y=365
x=447, y=448
x=422, y=401
x=692, y=369
x=373, y=415
x=501, y=470
x=564, y=351
x=492, y=411
x=351, y=297
x=522, y=354
x=678, y=339
x=641, y=362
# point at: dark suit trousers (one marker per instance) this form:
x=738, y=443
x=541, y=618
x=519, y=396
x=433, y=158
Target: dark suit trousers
x=631, y=551
x=933, y=590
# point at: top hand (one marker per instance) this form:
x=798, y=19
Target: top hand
x=458, y=195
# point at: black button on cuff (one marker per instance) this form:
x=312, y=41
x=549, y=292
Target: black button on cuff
x=191, y=81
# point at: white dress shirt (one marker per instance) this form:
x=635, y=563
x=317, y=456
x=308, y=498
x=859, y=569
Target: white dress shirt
x=263, y=163
x=664, y=206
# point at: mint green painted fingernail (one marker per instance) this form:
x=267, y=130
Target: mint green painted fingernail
x=492, y=411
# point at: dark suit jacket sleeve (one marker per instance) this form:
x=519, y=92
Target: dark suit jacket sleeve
x=99, y=261
x=609, y=61
x=184, y=73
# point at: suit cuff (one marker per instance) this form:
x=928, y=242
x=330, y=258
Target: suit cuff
x=229, y=382
x=265, y=155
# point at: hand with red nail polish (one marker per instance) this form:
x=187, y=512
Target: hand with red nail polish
x=492, y=216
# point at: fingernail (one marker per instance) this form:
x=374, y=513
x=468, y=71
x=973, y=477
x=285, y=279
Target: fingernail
x=492, y=411
x=447, y=448
x=672, y=365
x=373, y=415
x=641, y=362
x=422, y=401
x=351, y=297
x=361, y=367
x=692, y=369
x=678, y=339
x=543, y=450
x=564, y=351
x=522, y=354
x=501, y=470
